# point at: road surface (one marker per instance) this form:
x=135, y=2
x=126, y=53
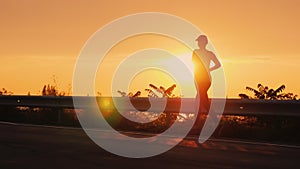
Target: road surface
x=29, y=146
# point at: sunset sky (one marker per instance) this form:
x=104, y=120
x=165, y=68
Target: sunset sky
x=257, y=41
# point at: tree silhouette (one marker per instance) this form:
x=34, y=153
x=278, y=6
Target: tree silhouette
x=161, y=90
x=137, y=94
x=263, y=92
x=153, y=91
x=50, y=90
x=287, y=96
x=130, y=94
x=122, y=93
x=244, y=96
x=169, y=91
x=4, y=92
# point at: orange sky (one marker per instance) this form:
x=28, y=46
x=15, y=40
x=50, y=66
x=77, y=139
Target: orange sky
x=258, y=41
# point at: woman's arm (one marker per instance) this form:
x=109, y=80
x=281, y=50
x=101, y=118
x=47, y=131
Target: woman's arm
x=213, y=58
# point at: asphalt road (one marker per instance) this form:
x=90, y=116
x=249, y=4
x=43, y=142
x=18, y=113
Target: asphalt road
x=27, y=146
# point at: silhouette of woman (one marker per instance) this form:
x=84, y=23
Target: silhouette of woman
x=202, y=59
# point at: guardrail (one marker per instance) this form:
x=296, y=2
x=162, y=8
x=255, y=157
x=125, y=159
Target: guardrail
x=232, y=106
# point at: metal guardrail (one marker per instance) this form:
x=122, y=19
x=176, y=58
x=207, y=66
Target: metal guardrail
x=232, y=106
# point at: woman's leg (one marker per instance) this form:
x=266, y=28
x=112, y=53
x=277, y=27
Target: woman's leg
x=202, y=110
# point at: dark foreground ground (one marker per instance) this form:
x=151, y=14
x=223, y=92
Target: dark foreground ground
x=27, y=146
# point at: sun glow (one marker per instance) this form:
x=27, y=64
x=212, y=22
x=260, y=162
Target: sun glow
x=36, y=41
x=170, y=54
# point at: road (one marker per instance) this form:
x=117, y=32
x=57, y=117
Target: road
x=29, y=146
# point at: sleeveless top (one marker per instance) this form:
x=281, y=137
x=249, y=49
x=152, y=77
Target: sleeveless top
x=201, y=68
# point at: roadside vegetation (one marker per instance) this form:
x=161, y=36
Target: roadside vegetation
x=264, y=128
x=264, y=92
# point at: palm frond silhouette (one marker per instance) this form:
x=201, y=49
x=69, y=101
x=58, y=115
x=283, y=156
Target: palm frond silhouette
x=151, y=93
x=258, y=94
x=160, y=90
x=263, y=92
x=280, y=89
x=137, y=94
x=130, y=94
x=170, y=90
x=122, y=93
